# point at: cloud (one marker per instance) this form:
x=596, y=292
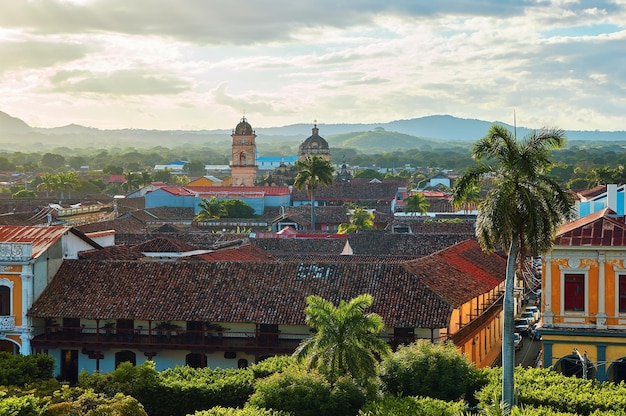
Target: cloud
x=124, y=82
x=234, y=22
x=39, y=54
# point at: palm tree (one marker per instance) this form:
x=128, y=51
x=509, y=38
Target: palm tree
x=132, y=181
x=417, y=203
x=145, y=178
x=210, y=208
x=48, y=183
x=520, y=213
x=359, y=220
x=67, y=182
x=313, y=171
x=346, y=339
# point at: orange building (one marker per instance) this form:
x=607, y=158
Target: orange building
x=584, y=298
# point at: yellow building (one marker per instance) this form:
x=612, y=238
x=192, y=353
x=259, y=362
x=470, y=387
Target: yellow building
x=29, y=258
x=584, y=298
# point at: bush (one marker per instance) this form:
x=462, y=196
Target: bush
x=22, y=369
x=248, y=411
x=307, y=393
x=544, y=388
x=411, y=406
x=276, y=364
x=72, y=401
x=430, y=370
x=20, y=406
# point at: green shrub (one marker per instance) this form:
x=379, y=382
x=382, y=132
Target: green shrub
x=307, y=393
x=72, y=401
x=412, y=406
x=544, y=388
x=247, y=411
x=430, y=370
x=22, y=369
x=276, y=364
x=20, y=406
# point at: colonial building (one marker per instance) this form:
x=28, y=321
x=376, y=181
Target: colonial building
x=212, y=312
x=29, y=258
x=584, y=298
x=243, y=163
x=314, y=145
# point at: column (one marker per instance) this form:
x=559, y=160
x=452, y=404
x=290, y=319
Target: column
x=601, y=315
x=601, y=369
x=27, y=301
x=548, y=315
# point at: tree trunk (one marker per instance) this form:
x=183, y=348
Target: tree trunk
x=312, y=210
x=508, y=350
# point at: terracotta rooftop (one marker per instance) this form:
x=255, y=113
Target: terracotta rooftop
x=459, y=273
x=351, y=191
x=265, y=292
x=601, y=228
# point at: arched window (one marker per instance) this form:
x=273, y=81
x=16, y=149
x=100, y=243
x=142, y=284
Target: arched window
x=242, y=363
x=5, y=301
x=195, y=360
x=124, y=356
x=617, y=371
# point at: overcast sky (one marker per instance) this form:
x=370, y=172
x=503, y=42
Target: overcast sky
x=202, y=64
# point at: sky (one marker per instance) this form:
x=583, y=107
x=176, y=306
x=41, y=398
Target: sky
x=203, y=64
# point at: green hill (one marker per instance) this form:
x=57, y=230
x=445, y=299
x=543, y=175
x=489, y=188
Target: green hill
x=379, y=141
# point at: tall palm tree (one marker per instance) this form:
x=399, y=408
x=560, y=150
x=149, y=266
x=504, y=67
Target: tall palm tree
x=211, y=208
x=312, y=172
x=520, y=213
x=145, y=179
x=48, y=183
x=346, y=340
x=417, y=203
x=131, y=181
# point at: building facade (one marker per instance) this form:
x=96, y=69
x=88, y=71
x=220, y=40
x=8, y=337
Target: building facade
x=584, y=298
x=243, y=163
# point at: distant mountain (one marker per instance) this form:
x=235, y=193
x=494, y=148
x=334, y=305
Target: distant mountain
x=12, y=124
x=16, y=135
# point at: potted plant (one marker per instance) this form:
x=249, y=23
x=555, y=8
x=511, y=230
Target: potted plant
x=166, y=328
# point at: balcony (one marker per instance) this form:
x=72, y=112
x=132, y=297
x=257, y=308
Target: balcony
x=144, y=339
x=7, y=323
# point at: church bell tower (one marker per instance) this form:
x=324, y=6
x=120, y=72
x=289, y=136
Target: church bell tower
x=243, y=163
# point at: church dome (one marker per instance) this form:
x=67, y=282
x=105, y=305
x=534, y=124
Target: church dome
x=314, y=145
x=243, y=128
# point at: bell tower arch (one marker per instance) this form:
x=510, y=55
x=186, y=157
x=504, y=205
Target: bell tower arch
x=243, y=163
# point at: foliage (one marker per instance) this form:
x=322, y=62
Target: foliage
x=20, y=406
x=210, y=208
x=417, y=203
x=307, y=393
x=313, y=171
x=520, y=213
x=359, y=220
x=195, y=168
x=368, y=174
x=236, y=208
x=430, y=370
x=70, y=401
x=113, y=170
x=548, y=389
x=246, y=411
x=23, y=369
x=410, y=406
x=52, y=160
x=163, y=176
x=25, y=193
x=174, y=392
x=346, y=339
x=271, y=365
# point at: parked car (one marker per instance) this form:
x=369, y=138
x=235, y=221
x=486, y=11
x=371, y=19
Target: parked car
x=517, y=341
x=522, y=326
x=530, y=316
x=535, y=311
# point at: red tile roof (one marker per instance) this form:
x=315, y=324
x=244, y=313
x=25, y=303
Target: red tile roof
x=602, y=228
x=266, y=292
x=460, y=273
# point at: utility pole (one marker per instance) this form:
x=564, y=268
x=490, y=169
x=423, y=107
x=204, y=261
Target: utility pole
x=583, y=361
